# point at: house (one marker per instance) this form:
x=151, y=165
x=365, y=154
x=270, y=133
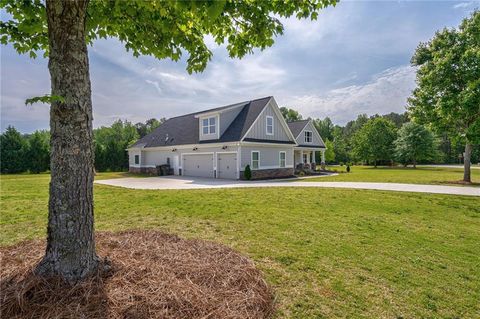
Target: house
x=221, y=142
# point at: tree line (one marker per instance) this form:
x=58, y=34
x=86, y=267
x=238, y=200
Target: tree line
x=31, y=152
x=375, y=140
x=386, y=139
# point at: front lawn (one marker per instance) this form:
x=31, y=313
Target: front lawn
x=409, y=175
x=327, y=252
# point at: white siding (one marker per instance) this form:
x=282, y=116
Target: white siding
x=259, y=130
x=152, y=157
x=205, y=137
x=131, y=157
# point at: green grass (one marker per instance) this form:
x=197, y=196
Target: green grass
x=420, y=175
x=327, y=252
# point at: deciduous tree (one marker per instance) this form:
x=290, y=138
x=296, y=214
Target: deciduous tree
x=325, y=128
x=374, y=141
x=329, y=152
x=414, y=143
x=163, y=29
x=290, y=114
x=447, y=96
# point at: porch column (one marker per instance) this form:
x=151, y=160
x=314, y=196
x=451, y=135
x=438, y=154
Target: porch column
x=301, y=156
x=323, y=159
x=313, y=157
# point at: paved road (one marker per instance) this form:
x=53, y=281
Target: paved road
x=473, y=166
x=176, y=182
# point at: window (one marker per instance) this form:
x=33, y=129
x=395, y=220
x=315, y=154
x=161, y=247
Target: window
x=137, y=159
x=308, y=136
x=209, y=125
x=269, y=125
x=255, y=159
x=282, y=159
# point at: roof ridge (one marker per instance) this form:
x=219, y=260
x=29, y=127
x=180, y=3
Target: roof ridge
x=296, y=121
x=220, y=107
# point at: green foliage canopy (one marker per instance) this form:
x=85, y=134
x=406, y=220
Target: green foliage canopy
x=329, y=152
x=415, y=143
x=12, y=151
x=37, y=155
x=448, y=81
x=164, y=29
x=147, y=127
x=374, y=141
x=325, y=128
x=290, y=114
x=111, y=144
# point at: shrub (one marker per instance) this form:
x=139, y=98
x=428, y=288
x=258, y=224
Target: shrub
x=247, y=173
x=348, y=168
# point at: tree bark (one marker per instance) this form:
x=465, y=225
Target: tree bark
x=466, y=163
x=70, y=252
x=414, y=163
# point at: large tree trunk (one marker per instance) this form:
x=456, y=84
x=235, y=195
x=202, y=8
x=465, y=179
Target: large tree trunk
x=466, y=163
x=70, y=252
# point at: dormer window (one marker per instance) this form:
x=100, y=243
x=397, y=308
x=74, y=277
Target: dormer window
x=269, y=126
x=209, y=125
x=308, y=136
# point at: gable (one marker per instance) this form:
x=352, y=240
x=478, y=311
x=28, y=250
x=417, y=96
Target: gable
x=316, y=138
x=185, y=130
x=258, y=130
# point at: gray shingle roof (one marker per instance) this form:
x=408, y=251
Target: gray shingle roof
x=297, y=126
x=183, y=130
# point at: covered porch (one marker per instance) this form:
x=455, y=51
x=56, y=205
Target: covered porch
x=306, y=157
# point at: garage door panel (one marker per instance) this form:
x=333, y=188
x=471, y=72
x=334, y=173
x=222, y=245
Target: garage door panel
x=227, y=166
x=198, y=165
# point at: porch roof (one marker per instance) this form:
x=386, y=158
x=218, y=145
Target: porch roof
x=303, y=147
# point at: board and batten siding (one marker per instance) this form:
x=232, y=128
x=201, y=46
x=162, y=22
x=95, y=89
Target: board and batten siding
x=269, y=156
x=259, y=128
x=315, y=140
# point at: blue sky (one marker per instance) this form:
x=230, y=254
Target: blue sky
x=354, y=59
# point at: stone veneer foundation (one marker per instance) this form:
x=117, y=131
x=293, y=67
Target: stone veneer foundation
x=143, y=170
x=270, y=173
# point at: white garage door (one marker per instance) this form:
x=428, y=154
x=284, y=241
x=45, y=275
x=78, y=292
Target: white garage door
x=227, y=165
x=198, y=165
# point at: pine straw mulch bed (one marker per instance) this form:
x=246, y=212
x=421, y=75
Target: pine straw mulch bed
x=153, y=275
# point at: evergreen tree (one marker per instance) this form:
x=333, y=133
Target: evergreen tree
x=12, y=154
x=38, y=152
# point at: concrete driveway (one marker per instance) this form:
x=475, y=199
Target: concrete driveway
x=181, y=182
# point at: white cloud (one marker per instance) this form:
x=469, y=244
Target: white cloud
x=155, y=84
x=323, y=67
x=386, y=92
x=462, y=5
